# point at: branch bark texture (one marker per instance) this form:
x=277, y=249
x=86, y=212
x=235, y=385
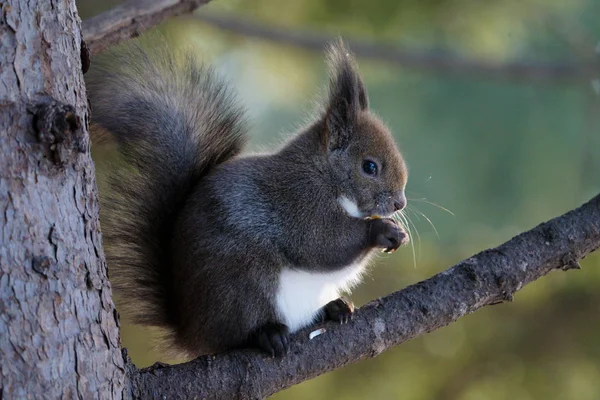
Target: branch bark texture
x=130, y=18
x=59, y=335
x=490, y=277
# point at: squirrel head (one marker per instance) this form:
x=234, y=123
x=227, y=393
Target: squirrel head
x=364, y=162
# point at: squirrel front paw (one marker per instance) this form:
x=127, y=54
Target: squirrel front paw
x=339, y=310
x=385, y=233
x=273, y=339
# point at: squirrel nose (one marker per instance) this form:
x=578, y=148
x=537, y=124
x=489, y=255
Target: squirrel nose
x=400, y=203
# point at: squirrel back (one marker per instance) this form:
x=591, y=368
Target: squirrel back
x=173, y=121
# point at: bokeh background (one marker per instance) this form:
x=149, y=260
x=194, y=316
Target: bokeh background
x=491, y=153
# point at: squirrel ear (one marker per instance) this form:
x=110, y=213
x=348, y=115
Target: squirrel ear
x=363, y=99
x=347, y=96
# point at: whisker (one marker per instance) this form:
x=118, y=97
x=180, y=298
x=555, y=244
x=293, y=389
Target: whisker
x=414, y=213
x=402, y=220
x=423, y=200
x=412, y=242
x=407, y=217
x=416, y=210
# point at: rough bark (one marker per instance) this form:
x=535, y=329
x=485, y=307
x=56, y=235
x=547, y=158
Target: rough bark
x=131, y=18
x=490, y=277
x=59, y=334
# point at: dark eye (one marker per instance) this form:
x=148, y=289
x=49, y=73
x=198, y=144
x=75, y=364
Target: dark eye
x=370, y=167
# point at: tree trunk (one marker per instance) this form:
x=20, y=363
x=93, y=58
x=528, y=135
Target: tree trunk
x=59, y=334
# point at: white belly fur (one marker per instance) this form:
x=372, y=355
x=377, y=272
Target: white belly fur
x=301, y=294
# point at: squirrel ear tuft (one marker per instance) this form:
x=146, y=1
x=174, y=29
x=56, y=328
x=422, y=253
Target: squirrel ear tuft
x=347, y=95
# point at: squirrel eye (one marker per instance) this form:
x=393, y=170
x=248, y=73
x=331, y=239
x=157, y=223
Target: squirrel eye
x=370, y=167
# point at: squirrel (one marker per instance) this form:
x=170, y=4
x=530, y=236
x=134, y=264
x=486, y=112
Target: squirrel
x=227, y=250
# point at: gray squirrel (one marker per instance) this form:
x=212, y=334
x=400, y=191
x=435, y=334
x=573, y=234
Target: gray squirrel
x=225, y=250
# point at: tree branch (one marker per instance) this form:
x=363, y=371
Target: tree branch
x=129, y=19
x=421, y=61
x=490, y=277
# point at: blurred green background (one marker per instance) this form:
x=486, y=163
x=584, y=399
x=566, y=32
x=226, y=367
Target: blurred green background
x=501, y=153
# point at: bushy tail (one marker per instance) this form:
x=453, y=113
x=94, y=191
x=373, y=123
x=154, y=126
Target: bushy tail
x=173, y=120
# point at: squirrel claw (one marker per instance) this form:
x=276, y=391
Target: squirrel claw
x=386, y=234
x=273, y=339
x=340, y=310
